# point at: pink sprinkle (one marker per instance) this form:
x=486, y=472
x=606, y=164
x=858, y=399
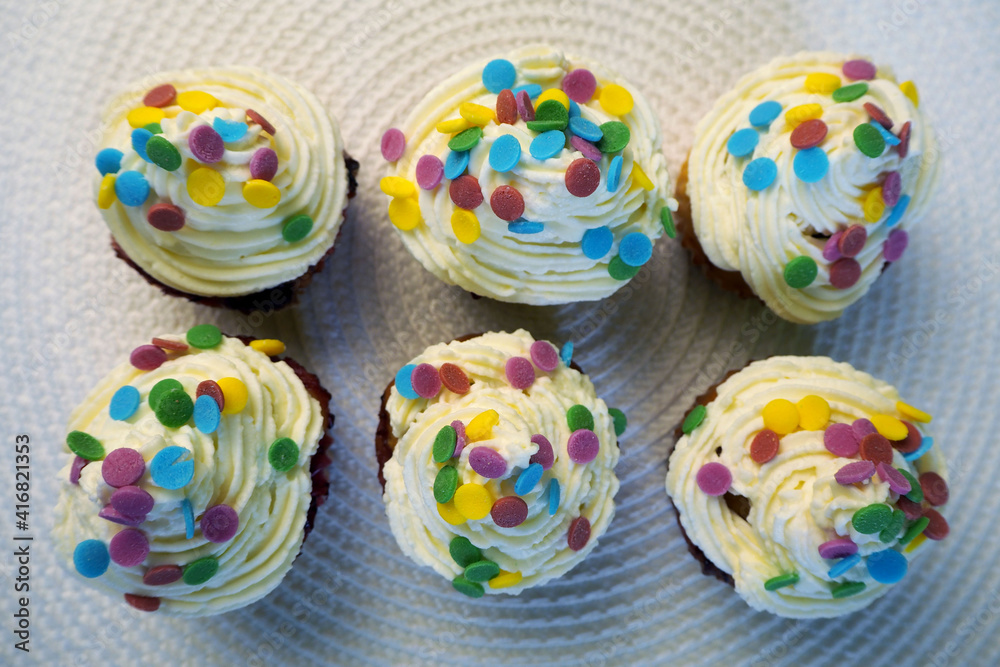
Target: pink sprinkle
x=206, y=144
x=264, y=164
x=841, y=440
x=129, y=548
x=895, y=245
x=845, y=272
x=147, y=357
x=897, y=483
x=859, y=70
x=524, y=106
x=520, y=373
x=545, y=456
x=393, y=144
x=831, y=252
x=430, y=171
x=460, y=432
x=583, y=446
x=131, y=501
x=587, y=149
x=891, y=187
x=487, y=462
x=111, y=514
x=863, y=427
x=545, y=356
x=76, y=469
x=838, y=548
x=854, y=472
x=579, y=85
x=220, y=523
x=714, y=479
x=426, y=381
x=122, y=467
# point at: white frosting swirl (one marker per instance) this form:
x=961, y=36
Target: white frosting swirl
x=230, y=467
x=232, y=248
x=795, y=502
x=758, y=233
x=537, y=548
x=547, y=267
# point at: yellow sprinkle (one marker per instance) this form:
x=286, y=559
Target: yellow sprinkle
x=890, y=427
x=821, y=82
x=106, y=193
x=798, y=115
x=477, y=114
x=910, y=90
x=196, y=101
x=143, y=116
x=269, y=346
x=465, y=224
x=481, y=426
x=206, y=186
x=261, y=193
x=234, y=393
x=396, y=186
x=781, y=416
x=452, y=126
x=473, y=501
x=616, y=100
x=874, y=205
x=450, y=514
x=814, y=412
x=907, y=410
x=506, y=579
x=553, y=94
x=917, y=541
x=640, y=177
x=404, y=212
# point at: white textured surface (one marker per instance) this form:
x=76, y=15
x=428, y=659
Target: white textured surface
x=70, y=311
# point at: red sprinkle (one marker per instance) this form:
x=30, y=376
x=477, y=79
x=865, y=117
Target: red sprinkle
x=506, y=107
x=454, y=378
x=393, y=144
x=160, y=96
x=937, y=529
x=162, y=575
x=911, y=509
x=507, y=203
x=172, y=345
x=852, y=241
x=878, y=115
x=509, y=512
x=165, y=217
x=809, y=133
x=579, y=85
x=465, y=192
x=764, y=446
x=524, y=106
x=904, y=140
x=876, y=448
x=147, y=357
x=845, y=272
x=911, y=442
x=934, y=487
x=582, y=177
x=142, y=603
x=579, y=533
x=520, y=373
x=260, y=120
x=211, y=388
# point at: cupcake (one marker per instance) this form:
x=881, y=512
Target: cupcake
x=194, y=475
x=497, y=461
x=536, y=178
x=804, y=180
x=807, y=485
x=227, y=186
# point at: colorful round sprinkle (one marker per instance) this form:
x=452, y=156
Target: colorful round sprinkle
x=296, y=228
x=597, y=242
x=444, y=444
x=579, y=417
x=174, y=408
x=859, y=70
x=869, y=140
x=840, y=547
x=811, y=164
x=204, y=336
x=261, y=194
x=553, y=496
x=850, y=93
x=619, y=419
x=801, y=272
x=781, y=416
x=220, y=523
x=229, y=130
x=616, y=100
x=904, y=140
x=587, y=149
x=426, y=381
x=205, y=186
x=760, y=173
x=847, y=589
x=465, y=192
x=781, y=581
x=524, y=106
x=896, y=481
x=487, y=462
x=841, y=441
x=161, y=96
x=206, y=144
x=467, y=588
x=614, y=173
x=694, y=419
x=509, y=512
x=165, y=217
x=505, y=153
x=934, y=487
x=132, y=501
x=188, y=513
x=615, y=137
x=128, y=548
x=854, y=472
x=76, y=468
x=445, y=484
x=200, y=571
x=582, y=177
x=211, y=388
x=845, y=273
x=862, y=427
x=528, y=479
x=109, y=513
x=454, y=378
x=579, y=85
x=207, y=414
x=147, y=357
x=263, y=164
x=764, y=113
x=122, y=467
x=808, y=134
x=161, y=575
x=895, y=245
x=544, y=355
x=463, y=551
x=393, y=144
x=430, y=171
x=585, y=129
x=547, y=145
x=473, y=501
x=875, y=448
x=91, y=558
x=108, y=161
x=520, y=373
x=579, y=533
x=545, y=456
x=131, y=188
x=871, y=519
x=455, y=164
x=635, y=249
x=764, y=446
x=583, y=446
x=466, y=140
x=283, y=454
x=743, y=142
x=507, y=203
x=887, y=567
x=85, y=445
x=937, y=528
x=169, y=471
x=499, y=74
x=506, y=108
x=714, y=479
x=549, y=115
x=124, y=403
x=162, y=153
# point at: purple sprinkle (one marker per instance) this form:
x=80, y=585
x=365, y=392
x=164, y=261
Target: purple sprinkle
x=862, y=427
x=460, y=441
x=220, y=523
x=854, y=472
x=579, y=85
x=545, y=355
x=122, y=467
x=264, y=164
x=520, y=373
x=545, y=456
x=206, y=144
x=897, y=483
x=147, y=357
x=859, y=70
x=487, y=462
x=831, y=251
x=895, y=245
x=131, y=501
x=892, y=186
x=587, y=149
x=841, y=440
x=583, y=446
x=426, y=381
x=129, y=547
x=714, y=479
x=838, y=548
x=524, y=106
x=113, y=515
x=430, y=171
x=393, y=144
x=76, y=469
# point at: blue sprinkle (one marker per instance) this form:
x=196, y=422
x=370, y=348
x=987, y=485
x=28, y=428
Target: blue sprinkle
x=534, y=90
x=206, y=414
x=91, y=558
x=887, y=567
x=505, y=153
x=140, y=136
x=897, y=211
x=574, y=109
x=528, y=479
x=188, y=518
x=597, y=242
x=108, y=161
x=743, y=142
x=132, y=188
x=525, y=227
x=614, y=173
x=403, y=384
x=169, y=471
x=124, y=403
x=585, y=129
x=553, y=496
x=455, y=164
x=635, y=249
x=925, y=446
x=547, y=144
x=889, y=137
x=499, y=74
x=764, y=113
x=760, y=173
x=811, y=164
x=230, y=130
x=566, y=353
x=843, y=565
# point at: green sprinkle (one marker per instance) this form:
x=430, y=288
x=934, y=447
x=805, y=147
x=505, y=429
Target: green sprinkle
x=915, y=529
x=85, y=445
x=667, y=220
x=174, y=408
x=159, y=389
x=890, y=532
x=154, y=128
x=296, y=228
x=694, y=419
x=621, y=421
x=466, y=139
x=872, y=518
x=782, y=580
x=482, y=570
x=466, y=587
x=801, y=272
x=869, y=140
x=578, y=417
x=445, y=484
x=847, y=589
x=444, y=444
x=619, y=270
x=463, y=551
x=204, y=336
x=549, y=115
x=162, y=153
x=615, y=137
x=200, y=571
x=283, y=454
x=916, y=493
x=851, y=92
